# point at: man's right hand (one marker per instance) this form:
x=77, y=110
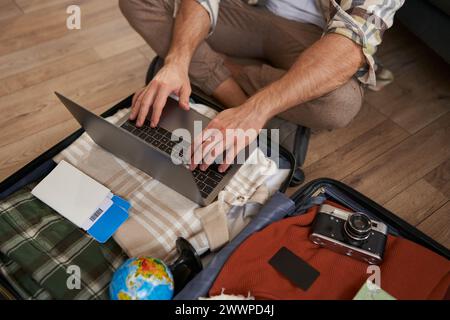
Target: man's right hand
x=172, y=78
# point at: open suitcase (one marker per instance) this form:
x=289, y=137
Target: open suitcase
x=42, y=165
x=321, y=188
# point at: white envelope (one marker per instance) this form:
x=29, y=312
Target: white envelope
x=71, y=193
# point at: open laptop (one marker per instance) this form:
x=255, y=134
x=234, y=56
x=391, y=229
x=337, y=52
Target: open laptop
x=149, y=149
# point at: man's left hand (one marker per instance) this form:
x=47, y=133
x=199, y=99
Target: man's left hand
x=229, y=132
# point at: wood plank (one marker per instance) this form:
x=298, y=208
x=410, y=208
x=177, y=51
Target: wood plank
x=147, y=52
x=15, y=155
x=47, y=71
x=326, y=142
x=402, y=52
x=75, y=41
x=48, y=124
x=439, y=178
x=19, y=153
x=419, y=94
x=357, y=153
x=391, y=92
x=388, y=175
x=29, y=6
x=120, y=45
x=417, y=202
x=413, y=110
x=436, y=226
x=9, y=10
x=33, y=109
x=19, y=26
x=41, y=26
x=428, y=109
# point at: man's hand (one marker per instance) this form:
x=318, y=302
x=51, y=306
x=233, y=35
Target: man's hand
x=171, y=79
x=230, y=132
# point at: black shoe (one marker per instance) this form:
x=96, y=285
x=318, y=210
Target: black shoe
x=300, y=149
x=295, y=139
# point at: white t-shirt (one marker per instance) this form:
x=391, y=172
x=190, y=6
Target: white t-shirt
x=306, y=11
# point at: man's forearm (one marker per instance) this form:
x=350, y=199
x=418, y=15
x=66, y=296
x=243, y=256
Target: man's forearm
x=190, y=29
x=320, y=69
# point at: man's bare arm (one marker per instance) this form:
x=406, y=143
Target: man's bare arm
x=190, y=29
x=320, y=69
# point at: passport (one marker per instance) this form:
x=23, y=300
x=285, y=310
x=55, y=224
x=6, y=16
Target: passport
x=107, y=223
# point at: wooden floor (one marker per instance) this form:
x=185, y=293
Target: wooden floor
x=397, y=151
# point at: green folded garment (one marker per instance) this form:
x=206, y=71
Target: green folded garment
x=39, y=251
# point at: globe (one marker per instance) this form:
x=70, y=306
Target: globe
x=142, y=279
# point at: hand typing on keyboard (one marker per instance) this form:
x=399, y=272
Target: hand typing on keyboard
x=170, y=79
x=164, y=141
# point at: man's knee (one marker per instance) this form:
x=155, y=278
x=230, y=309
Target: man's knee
x=128, y=8
x=343, y=105
x=332, y=111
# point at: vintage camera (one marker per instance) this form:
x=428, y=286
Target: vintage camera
x=351, y=233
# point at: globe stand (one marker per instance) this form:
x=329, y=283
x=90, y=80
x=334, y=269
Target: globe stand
x=186, y=266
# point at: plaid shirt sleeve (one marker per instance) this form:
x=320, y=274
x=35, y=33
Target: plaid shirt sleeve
x=363, y=21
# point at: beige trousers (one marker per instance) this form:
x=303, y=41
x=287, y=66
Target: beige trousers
x=269, y=44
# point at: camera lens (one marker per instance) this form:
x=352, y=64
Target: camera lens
x=358, y=226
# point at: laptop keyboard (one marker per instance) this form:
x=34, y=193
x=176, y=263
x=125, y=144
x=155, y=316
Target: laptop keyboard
x=160, y=138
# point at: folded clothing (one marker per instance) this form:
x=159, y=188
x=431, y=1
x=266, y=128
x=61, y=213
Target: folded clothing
x=37, y=247
x=409, y=271
x=159, y=215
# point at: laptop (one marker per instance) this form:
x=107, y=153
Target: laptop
x=149, y=149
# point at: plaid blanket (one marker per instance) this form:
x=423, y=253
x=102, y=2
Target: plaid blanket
x=38, y=248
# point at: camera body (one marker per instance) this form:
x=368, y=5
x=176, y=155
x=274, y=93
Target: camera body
x=352, y=234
